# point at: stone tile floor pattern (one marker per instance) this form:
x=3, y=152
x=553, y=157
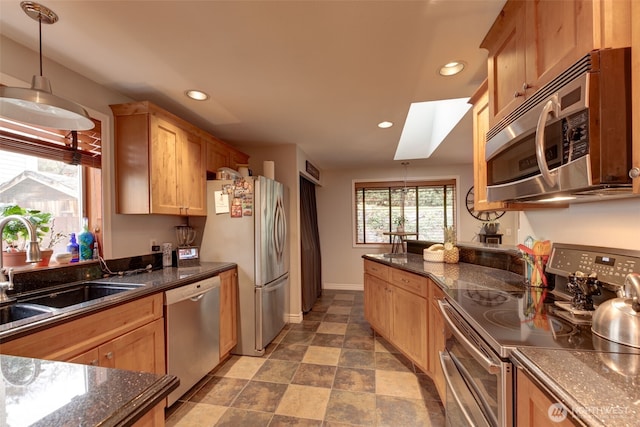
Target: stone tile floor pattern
x=330, y=370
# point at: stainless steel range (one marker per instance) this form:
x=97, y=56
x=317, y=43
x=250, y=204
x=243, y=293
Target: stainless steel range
x=485, y=325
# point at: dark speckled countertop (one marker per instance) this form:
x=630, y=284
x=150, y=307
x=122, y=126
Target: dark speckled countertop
x=600, y=388
x=46, y=393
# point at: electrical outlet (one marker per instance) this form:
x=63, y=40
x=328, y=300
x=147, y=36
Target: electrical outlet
x=508, y=232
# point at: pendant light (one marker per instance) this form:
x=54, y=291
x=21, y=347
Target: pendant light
x=38, y=105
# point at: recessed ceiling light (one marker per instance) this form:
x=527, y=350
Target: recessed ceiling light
x=451, y=68
x=385, y=125
x=197, y=95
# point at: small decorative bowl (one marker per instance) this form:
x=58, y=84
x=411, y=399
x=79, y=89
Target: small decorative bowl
x=433, y=256
x=64, y=258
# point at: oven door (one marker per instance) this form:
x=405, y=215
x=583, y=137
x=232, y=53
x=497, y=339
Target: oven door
x=479, y=383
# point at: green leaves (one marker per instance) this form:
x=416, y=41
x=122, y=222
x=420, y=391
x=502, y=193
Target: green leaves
x=15, y=232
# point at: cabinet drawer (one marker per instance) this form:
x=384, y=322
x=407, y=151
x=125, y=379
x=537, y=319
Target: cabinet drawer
x=377, y=269
x=414, y=283
x=71, y=339
x=435, y=293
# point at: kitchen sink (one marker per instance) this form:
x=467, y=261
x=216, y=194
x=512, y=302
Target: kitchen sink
x=19, y=311
x=77, y=294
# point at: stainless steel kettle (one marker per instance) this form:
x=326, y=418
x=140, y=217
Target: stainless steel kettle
x=618, y=319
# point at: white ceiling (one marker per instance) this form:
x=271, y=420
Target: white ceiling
x=320, y=74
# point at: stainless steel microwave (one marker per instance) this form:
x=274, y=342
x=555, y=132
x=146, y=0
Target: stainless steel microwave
x=570, y=140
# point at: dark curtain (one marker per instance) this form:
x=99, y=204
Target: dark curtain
x=309, y=245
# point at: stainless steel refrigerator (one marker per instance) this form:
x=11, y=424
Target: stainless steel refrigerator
x=246, y=224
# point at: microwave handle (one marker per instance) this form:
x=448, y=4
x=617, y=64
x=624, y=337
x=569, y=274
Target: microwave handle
x=549, y=108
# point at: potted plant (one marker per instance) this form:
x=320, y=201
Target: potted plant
x=15, y=234
x=399, y=223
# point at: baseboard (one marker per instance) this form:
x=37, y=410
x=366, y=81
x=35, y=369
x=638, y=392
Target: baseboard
x=295, y=318
x=343, y=286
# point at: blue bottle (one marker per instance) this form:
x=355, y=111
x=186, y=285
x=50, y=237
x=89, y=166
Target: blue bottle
x=73, y=248
x=85, y=241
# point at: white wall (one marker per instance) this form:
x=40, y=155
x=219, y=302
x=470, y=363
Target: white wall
x=612, y=224
x=341, y=260
x=124, y=235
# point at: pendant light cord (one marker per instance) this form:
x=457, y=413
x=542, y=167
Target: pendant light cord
x=40, y=37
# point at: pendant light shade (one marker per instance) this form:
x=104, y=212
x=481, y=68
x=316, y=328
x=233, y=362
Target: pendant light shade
x=38, y=105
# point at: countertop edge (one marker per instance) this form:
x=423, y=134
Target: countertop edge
x=542, y=379
x=131, y=412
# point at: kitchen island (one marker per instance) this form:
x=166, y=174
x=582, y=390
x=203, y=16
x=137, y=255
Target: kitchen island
x=596, y=386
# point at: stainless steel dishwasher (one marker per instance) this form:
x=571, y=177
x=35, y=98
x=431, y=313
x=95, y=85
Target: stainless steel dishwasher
x=192, y=322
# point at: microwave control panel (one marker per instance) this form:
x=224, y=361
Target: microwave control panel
x=575, y=136
x=610, y=265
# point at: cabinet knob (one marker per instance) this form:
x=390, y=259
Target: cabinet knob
x=525, y=86
x=109, y=355
x=517, y=94
x=94, y=362
x=634, y=173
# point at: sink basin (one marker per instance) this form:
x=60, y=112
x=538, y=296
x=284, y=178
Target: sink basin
x=77, y=294
x=19, y=311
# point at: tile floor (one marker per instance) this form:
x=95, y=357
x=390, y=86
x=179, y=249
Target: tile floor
x=329, y=370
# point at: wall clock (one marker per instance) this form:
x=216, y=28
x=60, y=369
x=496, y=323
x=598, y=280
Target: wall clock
x=485, y=216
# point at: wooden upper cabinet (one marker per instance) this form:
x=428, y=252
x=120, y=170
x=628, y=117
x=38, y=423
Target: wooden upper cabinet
x=160, y=162
x=221, y=155
x=533, y=41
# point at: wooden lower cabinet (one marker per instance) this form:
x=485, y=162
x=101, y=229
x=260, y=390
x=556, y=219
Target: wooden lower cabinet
x=113, y=338
x=153, y=418
x=402, y=308
x=409, y=325
x=532, y=407
x=228, y=311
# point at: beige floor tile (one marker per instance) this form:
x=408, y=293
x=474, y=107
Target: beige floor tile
x=336, y=309
x=399, y=384
x=332, y=328
x=322, y=355
x=304, y=402
x=195, y=415
x=244, y=367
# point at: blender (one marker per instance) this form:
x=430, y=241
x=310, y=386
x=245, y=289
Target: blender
x=186, y=254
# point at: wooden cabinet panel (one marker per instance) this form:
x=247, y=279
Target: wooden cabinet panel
x=377, y=304
x=218, y=156
x=71, y=339
x=436, y=339
x=165, y=146
x=228, y=311
x=414, y=283
x=532, y=406
x=377, y=269
x=194, y=176
x=409, y=325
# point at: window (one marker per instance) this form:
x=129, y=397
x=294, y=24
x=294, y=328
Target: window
x=52, y=171
x=426, y=206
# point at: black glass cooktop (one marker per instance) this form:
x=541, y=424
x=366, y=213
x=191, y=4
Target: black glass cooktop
x=528, y=317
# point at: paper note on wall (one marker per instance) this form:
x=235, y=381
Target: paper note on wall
x=222, y=202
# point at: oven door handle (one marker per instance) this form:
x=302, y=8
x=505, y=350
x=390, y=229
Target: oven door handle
x=457, y=386
x=480, y=357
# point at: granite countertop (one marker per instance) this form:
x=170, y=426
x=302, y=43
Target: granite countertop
x=153, y=282
x=47, y=393
x=598, y=388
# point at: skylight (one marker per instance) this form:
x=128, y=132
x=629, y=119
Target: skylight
x=427, y=125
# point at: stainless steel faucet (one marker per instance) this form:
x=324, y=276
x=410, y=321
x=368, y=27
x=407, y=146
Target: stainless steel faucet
x=32, y=248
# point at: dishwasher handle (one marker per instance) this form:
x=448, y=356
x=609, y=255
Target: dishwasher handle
x=194, y=291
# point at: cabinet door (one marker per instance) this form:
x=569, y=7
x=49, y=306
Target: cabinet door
x=217, y=155
x=166, y=145
x=377, y=304
x=532, y=408
x=506, y=61
x=91, y=357
x=228, y=311
x=193, y=183
x=559, y=32
x=139, y=350
x=409, y=325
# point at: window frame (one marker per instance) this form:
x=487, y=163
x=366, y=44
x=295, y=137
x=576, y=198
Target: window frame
x=377, y=183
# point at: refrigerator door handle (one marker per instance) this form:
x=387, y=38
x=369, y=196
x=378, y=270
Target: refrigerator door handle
x=280, y=229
